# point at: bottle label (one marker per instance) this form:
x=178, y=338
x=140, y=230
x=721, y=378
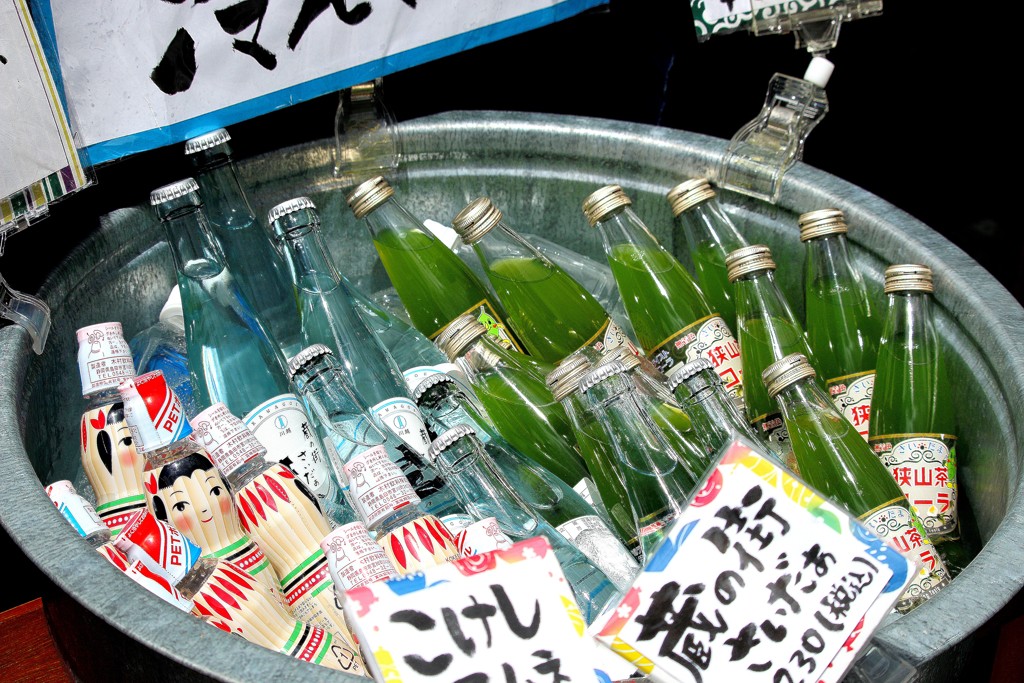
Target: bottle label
x=474, y=537
x=594, y=539
x=281, y=424
x=112, y=464
x=353, y=558
x=153, y=412
x=403, y=419
x=897, y=525
x=104, y=358
x=852, y=396
x=609, y=337
x=924, y=466
x=485, y=314
x=77, y=510
x=772, y=430
x=159, y=546
x=422, y=543
x=711, y=338
x=157, y=584
x=377, y=486
x=248, y=557
x=226, y=438
x=588, y=492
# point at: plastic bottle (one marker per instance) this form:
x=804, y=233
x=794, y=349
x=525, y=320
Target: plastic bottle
x=486, y=493
x=710, y=236
x=913, y=428
x=434, y=284
x=842, y=328
x=834, y=459
x=162, y=347
x=674, y=322
x=549, y=311
x=109, y=457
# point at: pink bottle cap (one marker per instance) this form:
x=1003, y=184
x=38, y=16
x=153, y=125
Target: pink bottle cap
x=153, y=412
x=226, y=438
x=159, y=546
x=104, y=359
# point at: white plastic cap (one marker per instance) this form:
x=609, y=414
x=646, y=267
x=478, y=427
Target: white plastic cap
x=442, y=232
x=172, y=313
x=819, y=71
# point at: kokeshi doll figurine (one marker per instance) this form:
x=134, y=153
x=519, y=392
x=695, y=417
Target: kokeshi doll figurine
x=280, y=514
x=225, y=596
x=109, y=458
x=183, y=487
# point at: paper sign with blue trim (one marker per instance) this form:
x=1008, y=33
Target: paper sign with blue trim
x=504, y=615
x=142, y=74
x=760, y=579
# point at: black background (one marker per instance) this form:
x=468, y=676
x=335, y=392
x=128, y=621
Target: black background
x=920, y=114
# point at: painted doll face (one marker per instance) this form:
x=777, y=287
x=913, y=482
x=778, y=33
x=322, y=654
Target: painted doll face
x=109, y=457
x=194, y=499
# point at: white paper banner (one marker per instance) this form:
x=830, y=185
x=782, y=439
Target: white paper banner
x=141, y=73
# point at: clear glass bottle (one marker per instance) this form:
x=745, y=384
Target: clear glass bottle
x=511, y=388
x=834, y=459
x=768, y=330
x=673, y=320
x=550, y=312
x=345, y=422
x=110, y=459
x=485, y=492
x=162, y=347
x=258, y=269
x=913, y=426
x=434, y=284
x=656, y=480
x=842, y=328
x=446, y=407
x=710, y=235
x=761, y=152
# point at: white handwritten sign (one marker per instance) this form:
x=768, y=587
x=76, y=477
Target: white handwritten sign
x=783, y=584
x=142, y=73
x=505, y=615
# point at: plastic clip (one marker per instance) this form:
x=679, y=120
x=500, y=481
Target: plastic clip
x=27, y=311
x=814, y=29
x=365, y=136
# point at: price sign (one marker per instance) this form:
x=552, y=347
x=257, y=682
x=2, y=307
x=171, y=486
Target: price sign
x=787, y=584
x=505, y=615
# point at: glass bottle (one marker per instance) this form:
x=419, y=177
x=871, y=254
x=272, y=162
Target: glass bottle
x=834, y=459
x=349, y=427
x=842, y=329
x=767, y=332
x=710, y=236
x=183, y=486
x=162, y=347
x=511, y=388
x=277, y=510
x=249, y=253
x=110, y=460
x=596, y=449
x=550, y=312
x=486, y=493
x=655, y=478
x=913, y=428
x=433, y=283
x=673, y=320
x=446, y=407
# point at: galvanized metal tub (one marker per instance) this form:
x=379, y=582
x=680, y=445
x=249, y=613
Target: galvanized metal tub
x=538, y=169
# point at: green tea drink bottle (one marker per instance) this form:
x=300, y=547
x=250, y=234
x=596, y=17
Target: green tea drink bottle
x=710, y=236
x=511, y=388
x=835, y=460
x=550, y=312
x=656, y=478
x=485, y=492
x=446, y=407
x=249, y=254
x=110, y=459
x=716, y=419
x=842, y=328
x=768, y=331
x=608, y=485
x=673, y=321
x=349, y=427
x=913, y=430
x=434, y=284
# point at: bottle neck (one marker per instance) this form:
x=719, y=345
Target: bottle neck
x=829, y=262
x=227, y=206
x=624, y=227
x=445, y=404
x=803, y=394
x=909, y=320
x=197, y=254
x=707, y=224
x=713, y=413
x=328, y=391
x=104, y=397
x=308, y=262
x=197, y=577
x=392, y=216
x=759, y=297
x=503, y=243
x=158, y=457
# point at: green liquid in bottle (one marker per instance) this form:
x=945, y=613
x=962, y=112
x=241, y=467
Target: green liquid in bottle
x=535, y=296
x=762, y=342
x=709, y=265
x=524, y=412
x=434, y=284
x=599, y=456
x=841, y=330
